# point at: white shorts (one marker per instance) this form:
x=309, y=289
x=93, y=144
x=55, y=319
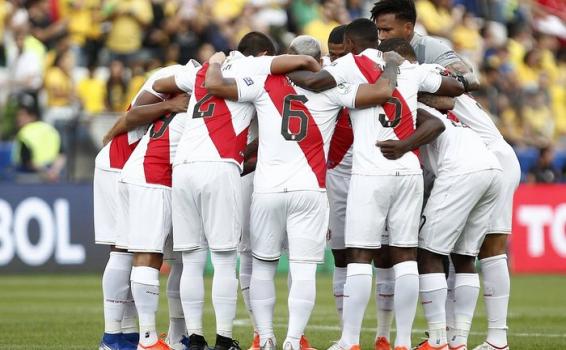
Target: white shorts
x=456, y=216
x=383, y=209
x=337, y=189
x=207, y=203
x=105, y=193
x=149, y=218
x=502, y=217
x=245, y=245
x=303, y=215
x=122, y=215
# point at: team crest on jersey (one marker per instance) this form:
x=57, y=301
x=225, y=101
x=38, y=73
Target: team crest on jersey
x=344, y=89
x=249, y=81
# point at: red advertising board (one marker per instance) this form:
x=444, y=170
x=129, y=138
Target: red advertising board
x=538, y=242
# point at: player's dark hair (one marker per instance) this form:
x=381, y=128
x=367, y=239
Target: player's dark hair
x=337, y=35
x=254, y=43
x=402, y=9
x=401, y=46
x=362, y=31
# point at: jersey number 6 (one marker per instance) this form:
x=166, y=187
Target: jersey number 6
x=289, y=113
x=197, y=113
x=387, y=122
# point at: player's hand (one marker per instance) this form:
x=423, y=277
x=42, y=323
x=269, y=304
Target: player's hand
x=218, y=57
x=179, y=103
x=392, y=149
x=393, y=57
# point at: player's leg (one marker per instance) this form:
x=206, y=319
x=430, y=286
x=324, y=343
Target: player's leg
x=384, y=296
x=267, y=224
x=307, y=222
x=177, y=333
x=403, y=227
x=337, y=190
x=149, y=226
x=365, y=222
x=493, y=253
x=466, y=281
x=116, y=276
x=188, y=238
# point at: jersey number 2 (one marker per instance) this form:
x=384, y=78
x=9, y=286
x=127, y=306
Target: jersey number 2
x=197, y=113
x=386, y=122
x=289, y=113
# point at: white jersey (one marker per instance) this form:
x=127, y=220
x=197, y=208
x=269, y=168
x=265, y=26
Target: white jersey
x=150, y=163
x=216, y=130
x=295, y=127
x=341, y=146
x=469, y=112
x=457, y=151
x=114, y=155
x=395, y=120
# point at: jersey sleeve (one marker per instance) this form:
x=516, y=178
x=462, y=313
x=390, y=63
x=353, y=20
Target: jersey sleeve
x=249, y=88
x=343, y=95
x=341, y=68
x=440, y=53
x=185, y=76
x=430, y=77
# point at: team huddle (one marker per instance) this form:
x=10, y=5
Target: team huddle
x=376, y=150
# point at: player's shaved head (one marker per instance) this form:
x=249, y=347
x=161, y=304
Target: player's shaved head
x=360, y=34
x=402, y=9
x=337, y=35
x=401, y=46
x=256, y=44
x=305, y=45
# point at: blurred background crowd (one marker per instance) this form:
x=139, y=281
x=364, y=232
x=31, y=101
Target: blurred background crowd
x=69, y=67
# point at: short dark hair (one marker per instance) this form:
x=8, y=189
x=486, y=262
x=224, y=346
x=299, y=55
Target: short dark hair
x=402, y=9
x=254, y=43
x=401, y=46
x=337, y=35
x=363, y=30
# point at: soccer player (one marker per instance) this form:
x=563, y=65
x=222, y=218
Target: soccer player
x=455, y=221
x=121, y=331
x=396, y=19
x=381, y=190
x=207, y=189
x=147, y=179
x=295, y=127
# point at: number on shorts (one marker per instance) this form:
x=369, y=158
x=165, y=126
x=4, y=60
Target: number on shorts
x=385, y=122
x=166, y=119
x=197, y=113
x=289, y=113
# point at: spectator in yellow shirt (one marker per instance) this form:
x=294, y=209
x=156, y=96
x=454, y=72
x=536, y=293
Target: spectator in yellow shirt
x=530, y=70
x=92, y=93
x=128, y=18
x=58, y=85
x=117, y=88
x=438, y=16
x=321, y=27
x=136, y=81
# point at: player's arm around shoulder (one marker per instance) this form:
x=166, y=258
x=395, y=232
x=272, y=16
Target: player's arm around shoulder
x=215, y=83
x=284, y=64
x=449, y=85
x=148, y=113
x=370, y=95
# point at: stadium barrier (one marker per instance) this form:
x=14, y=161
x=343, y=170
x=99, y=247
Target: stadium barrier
x=49, y=228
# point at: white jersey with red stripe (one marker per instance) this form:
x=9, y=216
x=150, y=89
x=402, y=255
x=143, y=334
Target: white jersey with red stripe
x=114, y=155
x=151, y=162
x=216, y=130
x=295, y=128
x=341, y=146
x=457, y=151
x=395, y=120
x=469, y=112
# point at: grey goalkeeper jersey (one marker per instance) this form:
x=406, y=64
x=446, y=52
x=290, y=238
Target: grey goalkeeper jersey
x=433, y=50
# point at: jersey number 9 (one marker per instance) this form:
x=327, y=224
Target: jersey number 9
x=387, y=122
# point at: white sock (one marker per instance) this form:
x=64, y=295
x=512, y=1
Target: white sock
x=384, y=299
x=466, y=292
x=450, y=298
x=357, y=292
x=262, y=297
x=433, y=298
x=338, y=281
x=224, y=291
x=145, y=289
x=496, y=289
x=115, y=288
x=176, y=316
x=301, y=300
x=192, y=290
x=246, y=261
x=406, y=298
x=130, y=319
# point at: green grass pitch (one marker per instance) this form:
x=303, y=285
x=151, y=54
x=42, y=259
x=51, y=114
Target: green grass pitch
x=65, y=312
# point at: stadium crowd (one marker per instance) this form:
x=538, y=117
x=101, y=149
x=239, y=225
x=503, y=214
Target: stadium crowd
x=67, y=64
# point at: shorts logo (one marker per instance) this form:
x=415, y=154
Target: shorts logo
x=423, y=222
x=248, y=81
